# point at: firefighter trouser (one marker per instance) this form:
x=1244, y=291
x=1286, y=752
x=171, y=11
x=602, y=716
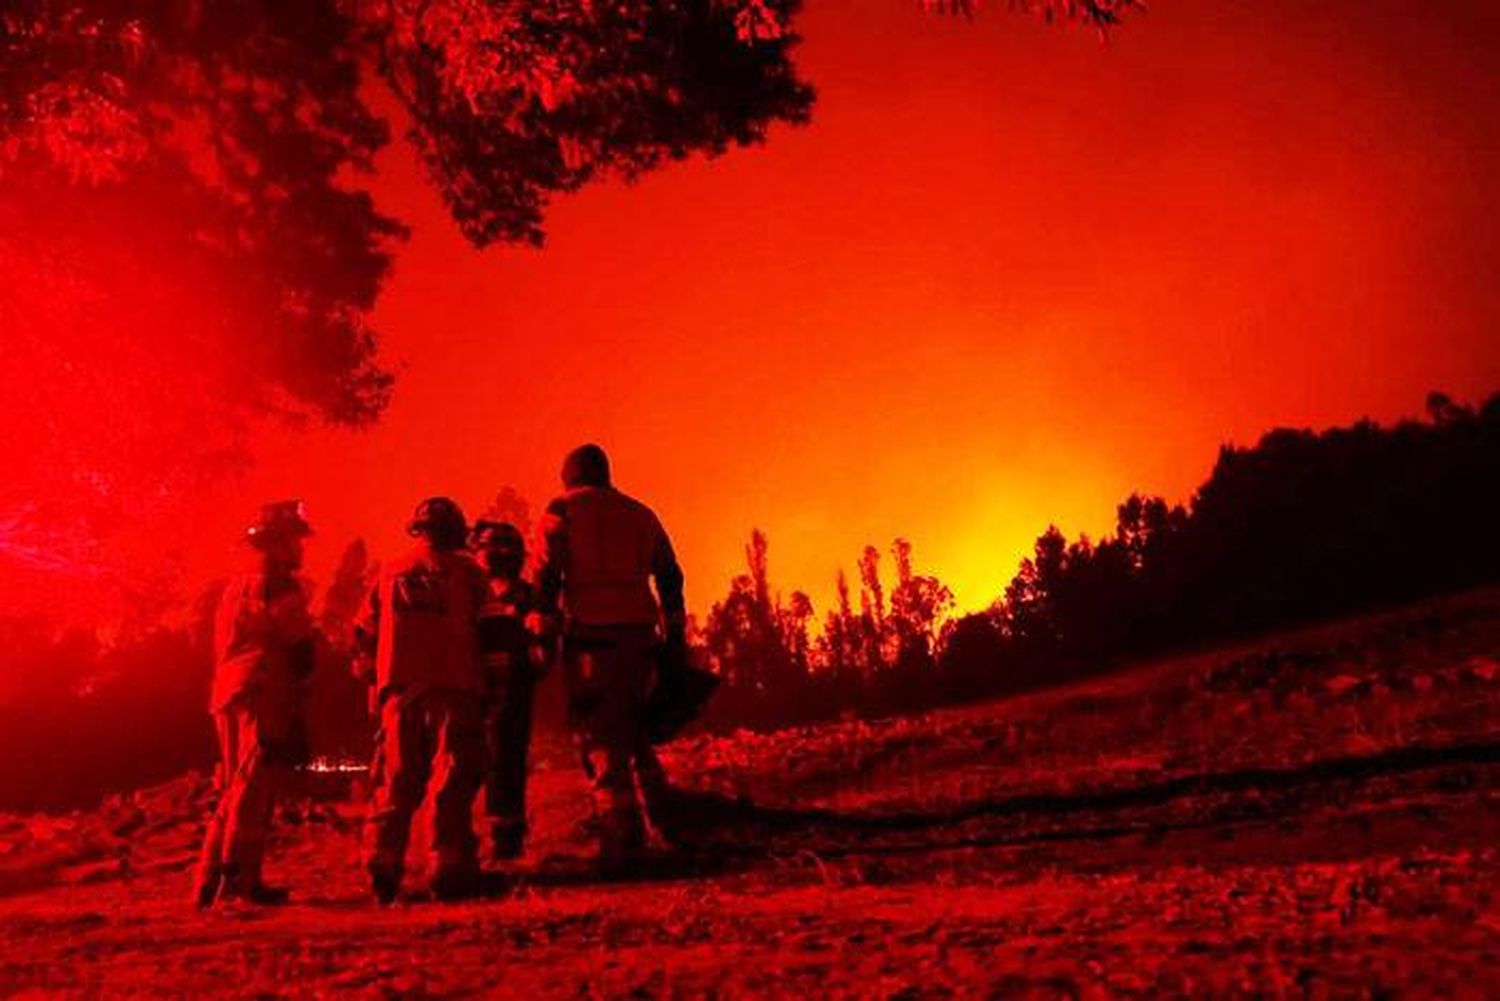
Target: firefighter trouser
x=608, y=672
x=508, y=733
x=651, y=778
x=251, y=776
x=429, y=737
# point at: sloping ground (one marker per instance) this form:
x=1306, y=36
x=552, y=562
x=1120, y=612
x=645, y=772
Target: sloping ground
x=1313, y=815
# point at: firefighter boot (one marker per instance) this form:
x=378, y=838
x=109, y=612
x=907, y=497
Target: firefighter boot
x=455, y=884
x=206, y=885
x=246, y=886
x=507, y=840
x=385, y=883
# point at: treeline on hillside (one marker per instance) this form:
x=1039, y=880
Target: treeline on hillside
x=1301, y=525
x=873, y=659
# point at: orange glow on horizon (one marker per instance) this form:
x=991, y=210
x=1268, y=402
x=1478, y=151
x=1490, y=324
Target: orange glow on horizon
x=1005, y=278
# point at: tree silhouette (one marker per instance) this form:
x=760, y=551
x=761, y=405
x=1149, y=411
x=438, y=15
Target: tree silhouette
x=882, y=657
x=338, y=716
x=509, y=506
x=839, y=645
x=796, y=620
x=345, y=594
x=185, y=210
x=185, y=214
x=751, y=641
x=920, y=606
x=1101, y=14
x=1300, y=526
x=252, y=120
x=872, y=621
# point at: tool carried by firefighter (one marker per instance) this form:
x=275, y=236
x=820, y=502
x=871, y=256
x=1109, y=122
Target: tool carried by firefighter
x=680, y=694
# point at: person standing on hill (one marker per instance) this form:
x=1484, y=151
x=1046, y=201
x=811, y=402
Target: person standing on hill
x=418, y=633
x=512, y=665
x=263, y=662
x=601, y=552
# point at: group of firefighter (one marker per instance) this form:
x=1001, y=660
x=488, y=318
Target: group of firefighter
x=451, y=640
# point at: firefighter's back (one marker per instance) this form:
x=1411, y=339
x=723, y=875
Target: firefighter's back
x=429, y=600
x=609, y=548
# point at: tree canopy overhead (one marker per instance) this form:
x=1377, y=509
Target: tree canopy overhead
x=229, y=135
x=185, y=213
x=233, y=133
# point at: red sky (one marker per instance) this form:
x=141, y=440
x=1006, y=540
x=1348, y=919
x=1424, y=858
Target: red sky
x=1007, y=276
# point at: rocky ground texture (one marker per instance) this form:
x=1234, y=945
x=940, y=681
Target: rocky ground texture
x=1313, y=815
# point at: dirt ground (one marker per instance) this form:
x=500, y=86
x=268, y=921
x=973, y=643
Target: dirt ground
x=1313, y=815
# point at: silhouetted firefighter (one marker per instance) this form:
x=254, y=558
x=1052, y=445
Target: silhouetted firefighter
x=512, y=665
x=418, y=630
x=263, y=652
x=602, y=551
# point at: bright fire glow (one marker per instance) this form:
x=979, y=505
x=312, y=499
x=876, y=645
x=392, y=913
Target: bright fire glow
x=1006, y=277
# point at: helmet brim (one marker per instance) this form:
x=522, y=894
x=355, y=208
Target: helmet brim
x=260, y=533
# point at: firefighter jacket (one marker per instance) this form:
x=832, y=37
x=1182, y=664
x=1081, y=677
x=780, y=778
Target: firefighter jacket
x=262, y=638
x=601, y=551
x=421, y=618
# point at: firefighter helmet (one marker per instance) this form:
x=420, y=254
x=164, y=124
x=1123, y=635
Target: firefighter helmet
x=680, y=695
x=586, y=466
x=488, y=534
x=279, y=520
x=441, y=520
